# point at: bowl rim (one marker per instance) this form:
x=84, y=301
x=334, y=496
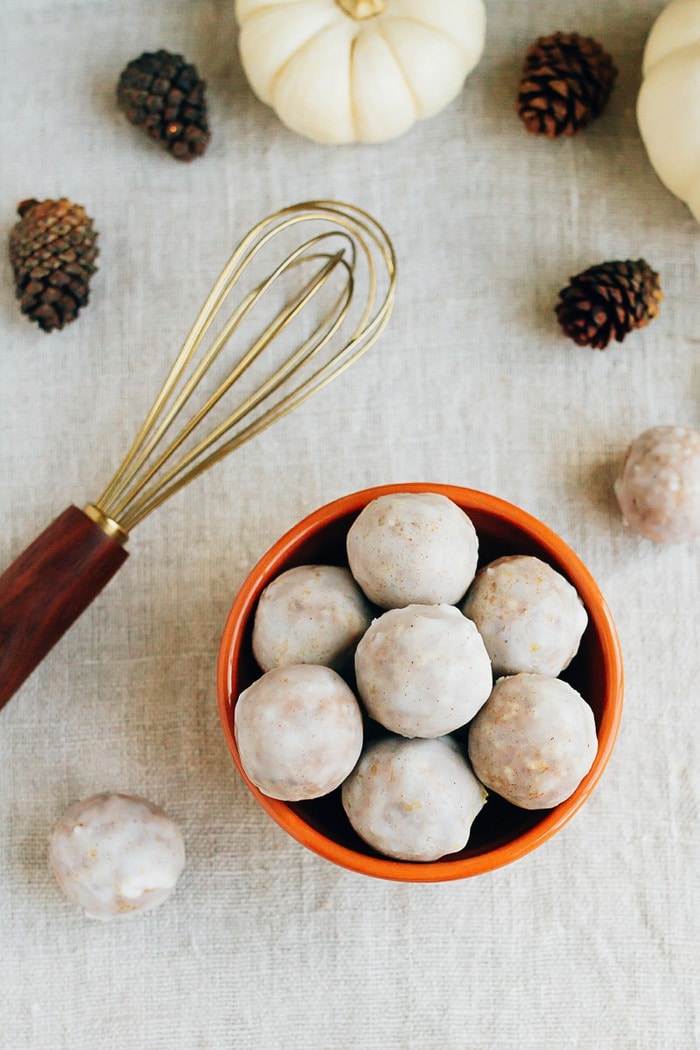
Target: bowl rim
x=596, y=606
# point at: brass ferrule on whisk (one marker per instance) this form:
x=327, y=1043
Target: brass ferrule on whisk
x=108, y=525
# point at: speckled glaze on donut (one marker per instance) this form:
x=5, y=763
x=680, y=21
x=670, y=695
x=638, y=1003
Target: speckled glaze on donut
x=530, y=617
x=533, y=741
x=311, y=614
x=423, y=670
x=115, y=855
x=410, y=548
x=413, y=799
x=658, y=487
x=299, y=731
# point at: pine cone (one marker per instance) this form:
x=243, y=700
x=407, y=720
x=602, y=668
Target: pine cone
x=566, y=82
x=164, y=94
x=607, y=301
x=53, y=252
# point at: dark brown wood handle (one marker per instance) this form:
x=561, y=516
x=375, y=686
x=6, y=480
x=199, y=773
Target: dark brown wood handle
x=47, y=588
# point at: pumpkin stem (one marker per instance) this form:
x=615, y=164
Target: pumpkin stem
x=359, y=9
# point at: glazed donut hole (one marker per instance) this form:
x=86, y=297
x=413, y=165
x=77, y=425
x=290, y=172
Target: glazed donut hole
x=533, y=741
x=311, y=614
x=658, y=485
x=412, y=548
x=413, y=799
x=422, y=670
x=299, y=731
x=116, y=855
x=529, y=616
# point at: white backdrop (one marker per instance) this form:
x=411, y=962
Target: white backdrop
x=589, y=942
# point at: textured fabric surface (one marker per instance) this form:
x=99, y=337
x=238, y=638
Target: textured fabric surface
x=590, y=941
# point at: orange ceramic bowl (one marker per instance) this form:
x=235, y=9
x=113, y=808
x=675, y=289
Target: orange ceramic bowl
x=501, y=833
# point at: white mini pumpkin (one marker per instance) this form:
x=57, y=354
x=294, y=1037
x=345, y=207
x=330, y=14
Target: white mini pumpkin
x=668, y=106
x=358, y=70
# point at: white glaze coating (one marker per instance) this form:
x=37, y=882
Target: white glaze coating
x=413, y=799
x=299, y=731
x=423, y=670
x=530, y=617
x=115, y=855
x=533, y=741
x=658, y=487
x=312, y=614
x=412, y=548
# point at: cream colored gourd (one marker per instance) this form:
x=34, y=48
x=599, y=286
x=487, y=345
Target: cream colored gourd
x=668, y=106
x=358, y=70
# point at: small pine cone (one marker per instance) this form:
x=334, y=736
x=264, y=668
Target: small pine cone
x=52, y=250
x=607, y=301
x=164, y=94
x=565, y=84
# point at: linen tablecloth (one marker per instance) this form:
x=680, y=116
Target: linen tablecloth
x=592, y=940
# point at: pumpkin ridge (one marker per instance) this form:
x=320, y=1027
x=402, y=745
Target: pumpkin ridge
x=399, y=66
x=299, y=51
x=693, y=48
x=426, y=25
x=351, y=92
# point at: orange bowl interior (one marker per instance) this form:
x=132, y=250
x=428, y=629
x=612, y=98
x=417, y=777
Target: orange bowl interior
x=501, y=833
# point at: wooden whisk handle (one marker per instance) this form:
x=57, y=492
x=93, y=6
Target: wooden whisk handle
x=47, y=588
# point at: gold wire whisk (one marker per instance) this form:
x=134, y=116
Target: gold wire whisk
x=149, y=475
